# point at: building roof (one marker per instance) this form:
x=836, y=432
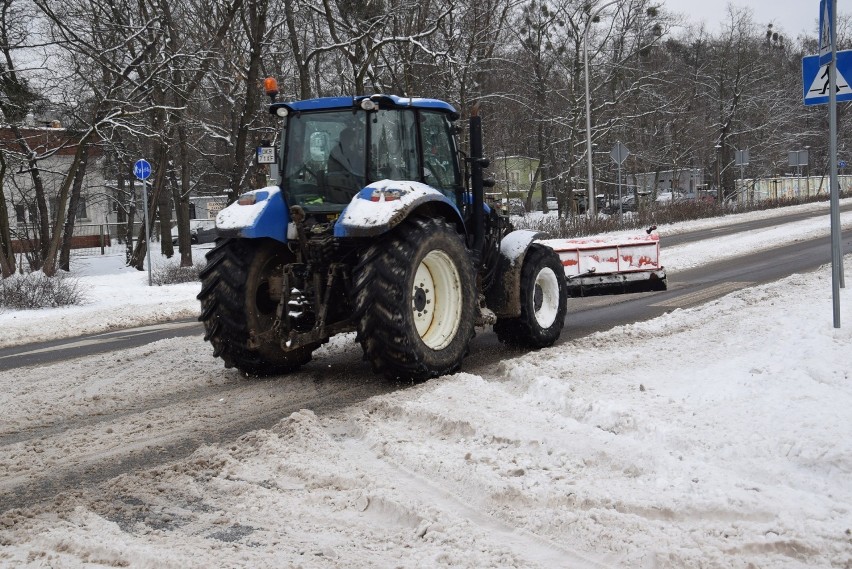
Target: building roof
x=42, y=140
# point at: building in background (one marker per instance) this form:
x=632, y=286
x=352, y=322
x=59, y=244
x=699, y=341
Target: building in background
x=688, y=182
x=54, y=149
x=513, y=176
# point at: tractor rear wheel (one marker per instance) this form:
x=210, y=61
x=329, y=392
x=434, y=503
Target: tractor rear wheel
x=414, y=296
x=544, y=302
x=238, y=310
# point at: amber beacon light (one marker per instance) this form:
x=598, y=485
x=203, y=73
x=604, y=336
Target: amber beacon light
x=270, y=85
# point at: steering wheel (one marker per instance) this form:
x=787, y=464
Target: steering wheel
x=303, y=170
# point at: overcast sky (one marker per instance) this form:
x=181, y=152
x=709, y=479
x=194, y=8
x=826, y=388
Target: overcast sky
x=792, y=16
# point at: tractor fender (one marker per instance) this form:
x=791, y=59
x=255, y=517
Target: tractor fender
x=258, y=213
x=504, y=295
x=381, y=206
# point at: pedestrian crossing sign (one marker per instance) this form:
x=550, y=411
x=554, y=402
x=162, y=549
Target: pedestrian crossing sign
x=815, y=79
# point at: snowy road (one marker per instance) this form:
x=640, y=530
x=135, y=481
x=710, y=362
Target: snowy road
x=87, y=420
x=715, y=436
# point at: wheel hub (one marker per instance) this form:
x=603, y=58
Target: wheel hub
x=420, y=298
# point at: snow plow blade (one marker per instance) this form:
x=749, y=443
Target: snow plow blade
x=610, y=265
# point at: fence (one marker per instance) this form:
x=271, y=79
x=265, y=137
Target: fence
x=89, y=239
x=755, y=190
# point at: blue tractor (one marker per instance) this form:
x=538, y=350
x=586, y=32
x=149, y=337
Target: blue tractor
x=377, y=225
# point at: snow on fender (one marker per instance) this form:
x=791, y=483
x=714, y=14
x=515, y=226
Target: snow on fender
x=382, y=205
x=258, y=213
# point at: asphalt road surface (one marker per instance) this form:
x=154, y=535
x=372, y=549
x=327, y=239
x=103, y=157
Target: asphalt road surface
x=585, y=315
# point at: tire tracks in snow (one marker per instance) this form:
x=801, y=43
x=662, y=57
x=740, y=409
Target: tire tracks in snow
x=41, y=463
x=524, y=543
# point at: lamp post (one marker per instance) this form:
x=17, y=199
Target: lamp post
x=592, y=206
x=718, y=173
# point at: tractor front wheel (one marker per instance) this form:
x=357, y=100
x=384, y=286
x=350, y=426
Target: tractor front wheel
x=544, y=302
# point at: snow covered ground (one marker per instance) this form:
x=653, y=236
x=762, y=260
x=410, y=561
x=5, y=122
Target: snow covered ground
x=716, y=436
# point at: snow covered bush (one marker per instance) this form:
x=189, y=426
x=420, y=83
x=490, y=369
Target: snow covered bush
x=35, y=290
x=174, y=274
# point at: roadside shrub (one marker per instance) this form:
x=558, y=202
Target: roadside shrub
x=35, y=290
x=173, y=273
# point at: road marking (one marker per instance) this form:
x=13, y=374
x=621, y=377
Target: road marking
x=113, y=336
x=701, y=296
x=150, y=328
x=79, y=344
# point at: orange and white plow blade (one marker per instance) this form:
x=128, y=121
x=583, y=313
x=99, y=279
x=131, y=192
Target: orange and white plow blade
x=602, y=260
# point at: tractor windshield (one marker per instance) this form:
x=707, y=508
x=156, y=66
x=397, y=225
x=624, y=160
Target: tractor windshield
x=330, y=155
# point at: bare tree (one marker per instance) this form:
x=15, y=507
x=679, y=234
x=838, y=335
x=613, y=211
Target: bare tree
x=7, y=254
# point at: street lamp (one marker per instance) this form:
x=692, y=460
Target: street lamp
x=592, y=206
x=718, y=173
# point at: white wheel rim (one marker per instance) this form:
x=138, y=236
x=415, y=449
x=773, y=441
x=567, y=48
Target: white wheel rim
x=436, y=300
x=546, y=297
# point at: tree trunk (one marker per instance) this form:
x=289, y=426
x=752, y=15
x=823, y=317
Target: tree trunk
x=181, y=198
x=131, y=215
x=164, y=206
x=49, y=267
x=7, y=256
x=256, y=31
x=302, y=66
x=42, y=234
x=65, y=253
x=531, y=189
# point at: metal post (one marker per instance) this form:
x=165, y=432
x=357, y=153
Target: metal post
x=147, y=229
x=592, y=203
x=592, y=207
x=620, y=203
x=836, y=257
x=742, y=183
x=807, y=166
x=718, y=174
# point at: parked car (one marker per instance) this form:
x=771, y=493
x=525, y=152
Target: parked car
x=628, y=204
x=200, y=231
x=552, y=204
x=669, y=197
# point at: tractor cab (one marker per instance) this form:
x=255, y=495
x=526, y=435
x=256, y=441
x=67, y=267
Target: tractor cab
x=332, y=148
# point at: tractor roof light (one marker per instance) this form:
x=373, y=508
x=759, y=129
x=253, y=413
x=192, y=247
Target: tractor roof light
x=282, y=112
x=367, y=104
x=270, y=85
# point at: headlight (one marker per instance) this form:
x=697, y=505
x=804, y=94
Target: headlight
x=247, y=199
x=282, y=112
x=367, y=104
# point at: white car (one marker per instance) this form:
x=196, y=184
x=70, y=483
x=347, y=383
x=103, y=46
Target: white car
x=200, y=231
x=669, y=197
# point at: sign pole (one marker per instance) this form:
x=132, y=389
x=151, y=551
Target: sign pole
x=147, y=229
x=620, y=202
x=836, y=257
x=619, y=154
x=142, y=170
